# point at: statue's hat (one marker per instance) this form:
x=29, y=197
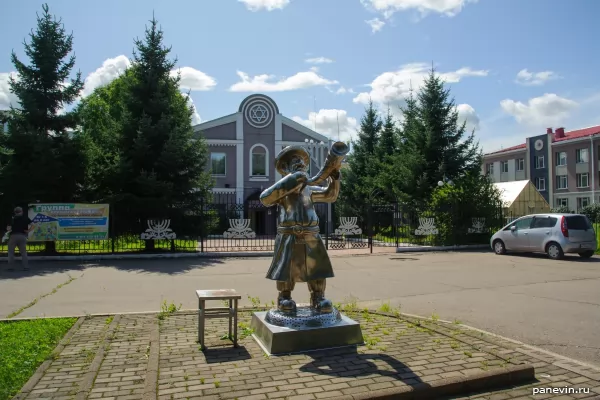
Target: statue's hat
x=285, y=156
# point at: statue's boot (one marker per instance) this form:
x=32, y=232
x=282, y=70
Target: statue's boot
x=317, y=296
x=284, y=300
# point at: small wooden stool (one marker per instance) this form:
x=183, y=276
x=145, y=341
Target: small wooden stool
x=217, y=312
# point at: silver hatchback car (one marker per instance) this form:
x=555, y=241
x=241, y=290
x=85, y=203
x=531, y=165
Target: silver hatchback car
x=553, y=234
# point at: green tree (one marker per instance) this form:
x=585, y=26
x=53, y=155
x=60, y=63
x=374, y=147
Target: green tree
x=160, y=168
x=433, y=146
x=388, y=140
x=360, y=179
x=45, y=162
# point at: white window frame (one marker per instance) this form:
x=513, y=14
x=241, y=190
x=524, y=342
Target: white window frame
x=520, y=164
x=215, y=153
x=251, y=161
x=489, y=167
x=562, y=202
x=579, y=178
x=579, y=159
x=561, y=158
x=559, y=179
x=580, y=201
x=540, y=184
x=540, y=162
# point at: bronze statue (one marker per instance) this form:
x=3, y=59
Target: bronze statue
x=300, y=255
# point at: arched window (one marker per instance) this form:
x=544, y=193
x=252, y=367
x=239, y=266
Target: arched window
x=259, y=160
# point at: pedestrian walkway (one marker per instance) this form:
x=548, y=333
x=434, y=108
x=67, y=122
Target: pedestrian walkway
x=145, y=356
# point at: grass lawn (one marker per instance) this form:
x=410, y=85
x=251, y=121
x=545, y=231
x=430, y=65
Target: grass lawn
x=24, y=345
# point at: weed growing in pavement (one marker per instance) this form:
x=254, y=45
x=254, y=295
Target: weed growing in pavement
x=385, y=307
x=217, y=384
x=435, y=317
x=109, y=320
x=255, y=302
x=167, y=309
x=468, y=354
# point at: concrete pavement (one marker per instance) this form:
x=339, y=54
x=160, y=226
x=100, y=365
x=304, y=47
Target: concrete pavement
x=551, y=304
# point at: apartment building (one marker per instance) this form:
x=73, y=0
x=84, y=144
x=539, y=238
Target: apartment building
x=563, y=166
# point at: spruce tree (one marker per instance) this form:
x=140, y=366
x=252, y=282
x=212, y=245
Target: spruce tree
x=388, y=141
x=360, y=183
x=434, y=145
x=45, y=162
x=161, y=165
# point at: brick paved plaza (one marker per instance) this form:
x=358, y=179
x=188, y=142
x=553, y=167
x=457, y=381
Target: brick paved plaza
x=139, y=356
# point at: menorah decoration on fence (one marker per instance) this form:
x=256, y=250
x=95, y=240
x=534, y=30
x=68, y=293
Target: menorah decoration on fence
x=348, y=226
x=158, y=229
x=478, y=225
x=426, y=227
x=239, y=229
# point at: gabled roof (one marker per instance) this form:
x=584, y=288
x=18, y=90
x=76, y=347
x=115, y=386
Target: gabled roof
x=517, y=147
x=509, y=191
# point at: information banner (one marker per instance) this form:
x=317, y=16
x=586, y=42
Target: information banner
x=68, y=221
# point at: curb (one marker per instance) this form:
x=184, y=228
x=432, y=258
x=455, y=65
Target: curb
x=441, y=248
x=488, y=380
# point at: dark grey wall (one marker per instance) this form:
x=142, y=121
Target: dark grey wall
x=542, y=172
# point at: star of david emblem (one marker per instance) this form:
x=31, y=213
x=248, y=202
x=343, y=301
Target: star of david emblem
x=259, y=113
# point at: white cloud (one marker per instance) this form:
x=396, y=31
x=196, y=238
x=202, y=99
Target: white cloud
x=546, y=110
x=193, y=79
x=387, y=8
x=467, y=113
x=526, y=78
x=110, y=70
x=393, y=87
x=6, y=97
x=195, y=116
x=376, y=24
x=319, y=60
x=267, y=83
x=343, y=90
x=327, y=121
x=269, y=5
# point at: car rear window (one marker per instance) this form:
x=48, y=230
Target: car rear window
x=544, y=222
x=578, y=222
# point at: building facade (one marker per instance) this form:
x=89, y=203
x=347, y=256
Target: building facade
x=243, y=147
x=563, y=166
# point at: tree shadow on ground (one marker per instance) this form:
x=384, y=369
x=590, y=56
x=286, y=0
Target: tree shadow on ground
x=349, y=363
x=226, y=353
x=166, y=266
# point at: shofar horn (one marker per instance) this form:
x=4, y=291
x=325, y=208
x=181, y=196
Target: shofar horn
x=332, y=163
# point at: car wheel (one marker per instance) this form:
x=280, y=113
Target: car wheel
x=586, y=254
x=554, y=251
x=499, y=247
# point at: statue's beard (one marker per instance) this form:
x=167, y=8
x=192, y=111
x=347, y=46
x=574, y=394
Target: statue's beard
x=297, y=167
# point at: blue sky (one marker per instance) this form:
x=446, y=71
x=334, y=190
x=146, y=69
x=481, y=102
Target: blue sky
x=514, y=67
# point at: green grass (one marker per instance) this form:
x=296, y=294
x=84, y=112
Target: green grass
x=24, y=345
x=122, y=245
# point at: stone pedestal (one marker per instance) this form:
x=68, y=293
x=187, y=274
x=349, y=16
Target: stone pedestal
x=282, y=333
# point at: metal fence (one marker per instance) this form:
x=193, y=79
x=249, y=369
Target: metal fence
x=224, y=225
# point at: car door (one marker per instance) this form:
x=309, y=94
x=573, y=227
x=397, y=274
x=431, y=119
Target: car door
x=517, y=239
x=541, y=231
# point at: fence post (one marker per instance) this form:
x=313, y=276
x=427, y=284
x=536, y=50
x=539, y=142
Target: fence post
x=202, y=224
x=111, y=229
x=370, y=226
x=395, y=223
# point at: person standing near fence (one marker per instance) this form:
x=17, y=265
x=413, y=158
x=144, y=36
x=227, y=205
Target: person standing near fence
x=18, y=231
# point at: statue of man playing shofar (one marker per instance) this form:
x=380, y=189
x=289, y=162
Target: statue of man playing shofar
x=300, y=255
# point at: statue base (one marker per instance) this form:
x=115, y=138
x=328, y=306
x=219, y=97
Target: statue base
x=306, y=330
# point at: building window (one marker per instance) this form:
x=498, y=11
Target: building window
x=218, y=164
x=581, y=156
x=540, y=184
x=258, y=161
x=489, y=168
x=583, y=180
x=582, y=202
x=561, y=182
x=503, y=166
x=520, y=164
x=562, y=202
x=561, y=158
x=539, y=162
